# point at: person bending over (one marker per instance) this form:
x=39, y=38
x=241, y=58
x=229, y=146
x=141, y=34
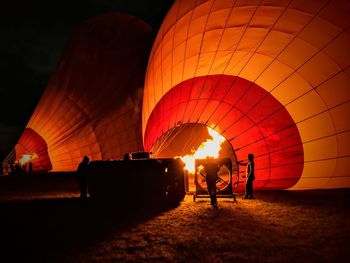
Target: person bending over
x=211, y=169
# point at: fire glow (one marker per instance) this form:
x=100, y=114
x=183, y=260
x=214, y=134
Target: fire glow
x=209, y=148
x=27, y=158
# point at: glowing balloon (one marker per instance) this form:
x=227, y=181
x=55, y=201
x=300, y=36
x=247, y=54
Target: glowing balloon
x=92, y=105
x=272, y=77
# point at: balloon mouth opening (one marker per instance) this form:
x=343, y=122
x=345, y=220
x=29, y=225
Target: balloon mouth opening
x=191, y=142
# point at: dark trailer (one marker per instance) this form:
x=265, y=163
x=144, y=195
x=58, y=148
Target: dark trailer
x=150, y=182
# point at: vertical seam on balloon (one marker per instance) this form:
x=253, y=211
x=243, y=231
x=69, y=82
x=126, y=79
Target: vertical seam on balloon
x=204, y=30
x=172, y=55
x=200, y=47
x=161, y=72
x=188, y=30
x=212, y=63
x=234, y=80
x=153, y=86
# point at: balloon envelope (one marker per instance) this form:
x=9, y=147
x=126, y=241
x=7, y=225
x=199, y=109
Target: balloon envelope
x=271, y=76
x=92, y=105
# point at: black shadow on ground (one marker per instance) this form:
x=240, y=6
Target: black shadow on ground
x=50, y=229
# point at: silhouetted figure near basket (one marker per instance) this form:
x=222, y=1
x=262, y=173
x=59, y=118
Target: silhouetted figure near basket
x=250, y=176
x=18, y=169
x=211, y=170
x=82, y=177
x=12, y=168
x=30, y=167
x=127, y=157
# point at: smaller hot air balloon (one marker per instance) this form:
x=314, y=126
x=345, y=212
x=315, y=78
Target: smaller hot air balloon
x=92, y=105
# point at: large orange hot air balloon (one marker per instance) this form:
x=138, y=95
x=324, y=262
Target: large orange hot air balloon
x=271, y=76
x=92, y=105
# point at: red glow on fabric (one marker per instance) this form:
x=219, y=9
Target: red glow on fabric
x=31, y=142
x=247, y=115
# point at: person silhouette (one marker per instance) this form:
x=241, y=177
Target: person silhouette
x=126, y=157
x=30, y=167
x=211, y=169
x=250, y=176
x=12, y=169
x=82, y=177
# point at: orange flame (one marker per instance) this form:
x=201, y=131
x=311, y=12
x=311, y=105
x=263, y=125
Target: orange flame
x=208, y=148
x=27, y=158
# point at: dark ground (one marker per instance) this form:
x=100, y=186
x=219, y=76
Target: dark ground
x=42, y=220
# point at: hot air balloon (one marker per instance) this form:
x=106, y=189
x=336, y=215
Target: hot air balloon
x=270, y=76
x=92, y=105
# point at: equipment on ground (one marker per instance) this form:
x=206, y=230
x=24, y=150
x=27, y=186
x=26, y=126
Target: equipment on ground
x=224, y=182
x=138, y=181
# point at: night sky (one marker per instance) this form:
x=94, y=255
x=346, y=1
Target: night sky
x=33, y=37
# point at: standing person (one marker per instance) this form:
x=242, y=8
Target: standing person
x=82, y=176
x=127, y=157
x=12, y=169
x=30, y=168
x=211, y=168
x=250, y=176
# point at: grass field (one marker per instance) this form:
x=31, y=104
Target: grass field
x=42, y=220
